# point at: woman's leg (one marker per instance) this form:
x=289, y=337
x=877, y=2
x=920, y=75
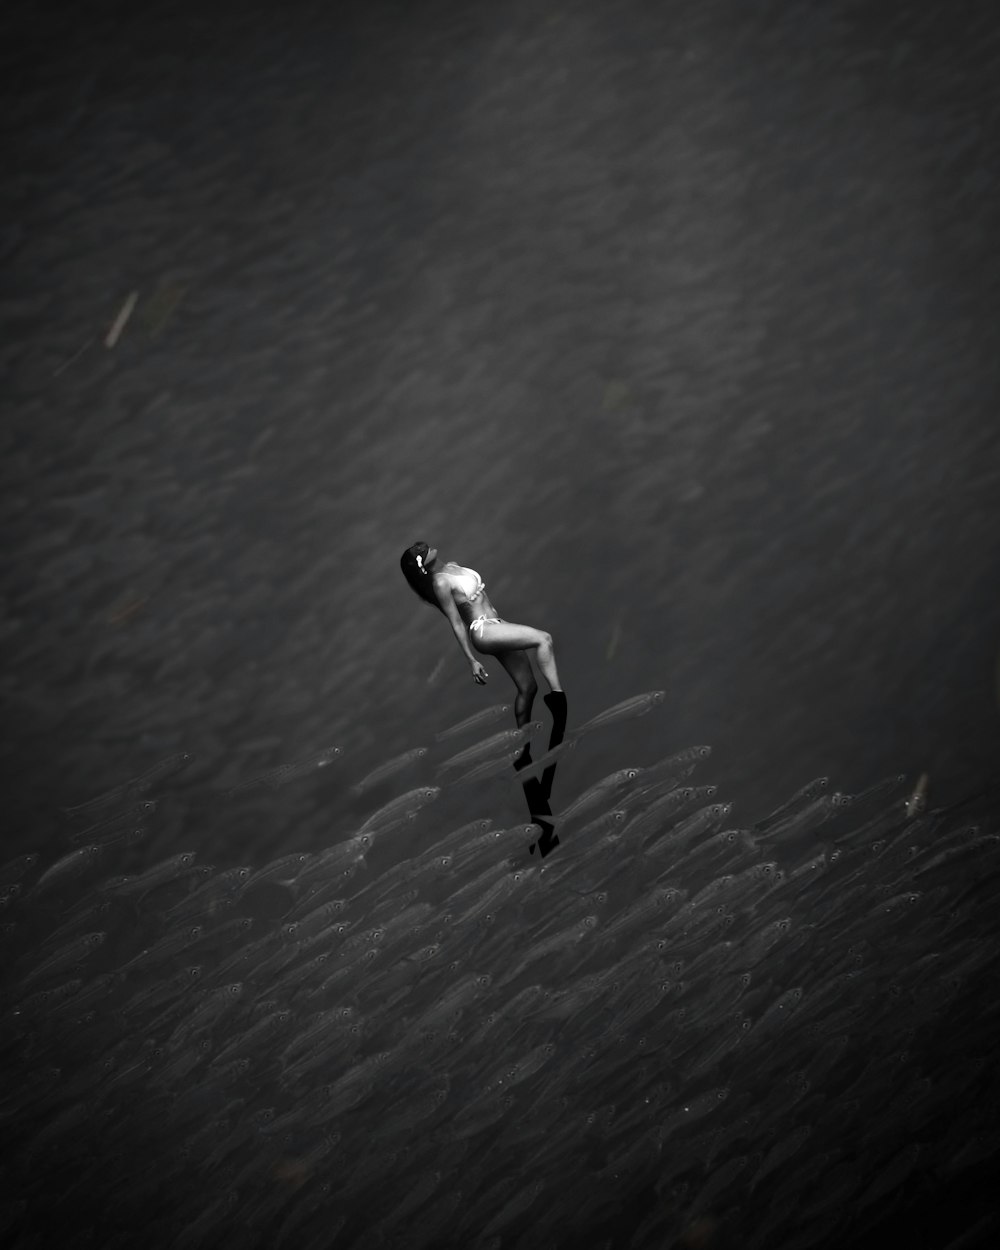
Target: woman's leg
x=503, y=637
x=518, y=665
x=510, y=644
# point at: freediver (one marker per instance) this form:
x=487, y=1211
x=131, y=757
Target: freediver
x=460, y=594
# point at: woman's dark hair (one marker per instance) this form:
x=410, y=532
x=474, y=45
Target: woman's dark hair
x=420, y=580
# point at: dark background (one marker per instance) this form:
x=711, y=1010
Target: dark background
x=678, y=322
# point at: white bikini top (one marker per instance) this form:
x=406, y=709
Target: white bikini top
x=469, y=582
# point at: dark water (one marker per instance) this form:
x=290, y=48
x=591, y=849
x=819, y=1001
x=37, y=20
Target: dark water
x=677, y=324
x=669, y=1030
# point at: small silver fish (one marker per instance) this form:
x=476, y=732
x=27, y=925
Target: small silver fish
x=166, y=948
x=73, y=953
x=395, y=765
x=275, y=778
x=322, y=758
x=486, y=717
x=689, y=757
x=808, y=794
x=105, y=830
x=597, y=793
x=917, y=802
x=285, y=869
x=135, y=786
x=491, y=746
x=412, y=801
x=489, y=768
x=269, y=780
x=164, y=871
x=638, y=705
x=458, y=837
x=68, y=868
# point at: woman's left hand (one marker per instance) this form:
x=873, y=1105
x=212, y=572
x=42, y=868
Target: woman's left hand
x=479, y=673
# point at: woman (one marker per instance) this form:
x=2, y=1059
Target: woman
x=460, y=593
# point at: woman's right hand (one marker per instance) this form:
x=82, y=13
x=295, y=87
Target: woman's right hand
x=479, y=673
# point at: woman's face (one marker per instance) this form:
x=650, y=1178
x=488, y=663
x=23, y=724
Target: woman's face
x=430, y=557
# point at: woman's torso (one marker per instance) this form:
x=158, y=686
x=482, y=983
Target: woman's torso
x=462, y=583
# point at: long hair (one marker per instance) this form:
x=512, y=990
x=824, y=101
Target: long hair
x=421, y=583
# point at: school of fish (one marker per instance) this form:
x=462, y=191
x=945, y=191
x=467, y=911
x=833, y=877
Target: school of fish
x=672, y=1031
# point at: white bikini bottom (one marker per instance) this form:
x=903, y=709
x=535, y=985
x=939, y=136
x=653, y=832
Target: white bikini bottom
x=480, y=621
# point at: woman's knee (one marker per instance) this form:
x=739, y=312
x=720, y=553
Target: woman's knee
x=522, y=703
x=546, y=641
